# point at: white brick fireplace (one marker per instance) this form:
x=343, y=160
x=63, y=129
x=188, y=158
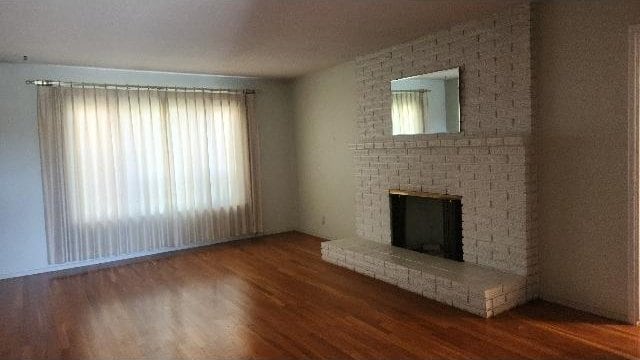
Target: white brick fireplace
x=489, y=164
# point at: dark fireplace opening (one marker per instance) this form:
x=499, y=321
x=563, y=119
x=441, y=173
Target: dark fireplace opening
x=426, y=222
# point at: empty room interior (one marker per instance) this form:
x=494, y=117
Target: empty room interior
x=319, y=179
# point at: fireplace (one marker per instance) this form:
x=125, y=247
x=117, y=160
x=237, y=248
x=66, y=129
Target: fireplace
x=427, y=222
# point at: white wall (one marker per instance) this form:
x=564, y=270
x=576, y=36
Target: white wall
x=22, y=239
x=325, y=106
x=580, y=64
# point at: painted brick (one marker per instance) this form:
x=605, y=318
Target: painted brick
x=490, y=164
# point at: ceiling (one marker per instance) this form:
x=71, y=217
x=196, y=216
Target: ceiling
x=269, y=38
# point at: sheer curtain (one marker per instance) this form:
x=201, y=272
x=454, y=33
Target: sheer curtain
x=132, y=170
x=408, y=112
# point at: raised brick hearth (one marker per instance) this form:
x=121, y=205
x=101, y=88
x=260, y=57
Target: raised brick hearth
x=474, y=288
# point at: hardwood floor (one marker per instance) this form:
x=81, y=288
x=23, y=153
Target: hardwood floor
x=273, y=297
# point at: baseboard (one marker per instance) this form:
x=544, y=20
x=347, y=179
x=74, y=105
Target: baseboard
x=101, y=261
x=315, y=234
x=587, y=308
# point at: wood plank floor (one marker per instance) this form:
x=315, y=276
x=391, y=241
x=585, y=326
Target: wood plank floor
x=273, y=297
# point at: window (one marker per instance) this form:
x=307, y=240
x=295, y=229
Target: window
x=131, y=170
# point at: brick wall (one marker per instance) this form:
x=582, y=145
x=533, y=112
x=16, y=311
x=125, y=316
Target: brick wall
x=490, y=164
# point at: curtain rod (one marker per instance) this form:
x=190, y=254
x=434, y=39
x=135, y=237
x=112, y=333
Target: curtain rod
x=127, y=86
x=418, y=90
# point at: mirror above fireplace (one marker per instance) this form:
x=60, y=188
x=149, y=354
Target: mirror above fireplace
x=426, y=104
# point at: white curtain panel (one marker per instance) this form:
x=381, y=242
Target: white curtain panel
x=136, y=170
x=408, y=112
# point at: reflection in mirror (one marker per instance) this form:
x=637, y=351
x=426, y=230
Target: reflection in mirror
x=426, y=104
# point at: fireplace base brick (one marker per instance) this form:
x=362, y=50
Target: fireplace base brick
x=477, y=289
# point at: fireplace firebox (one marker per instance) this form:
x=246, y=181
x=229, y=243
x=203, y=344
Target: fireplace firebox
x=427, y=222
